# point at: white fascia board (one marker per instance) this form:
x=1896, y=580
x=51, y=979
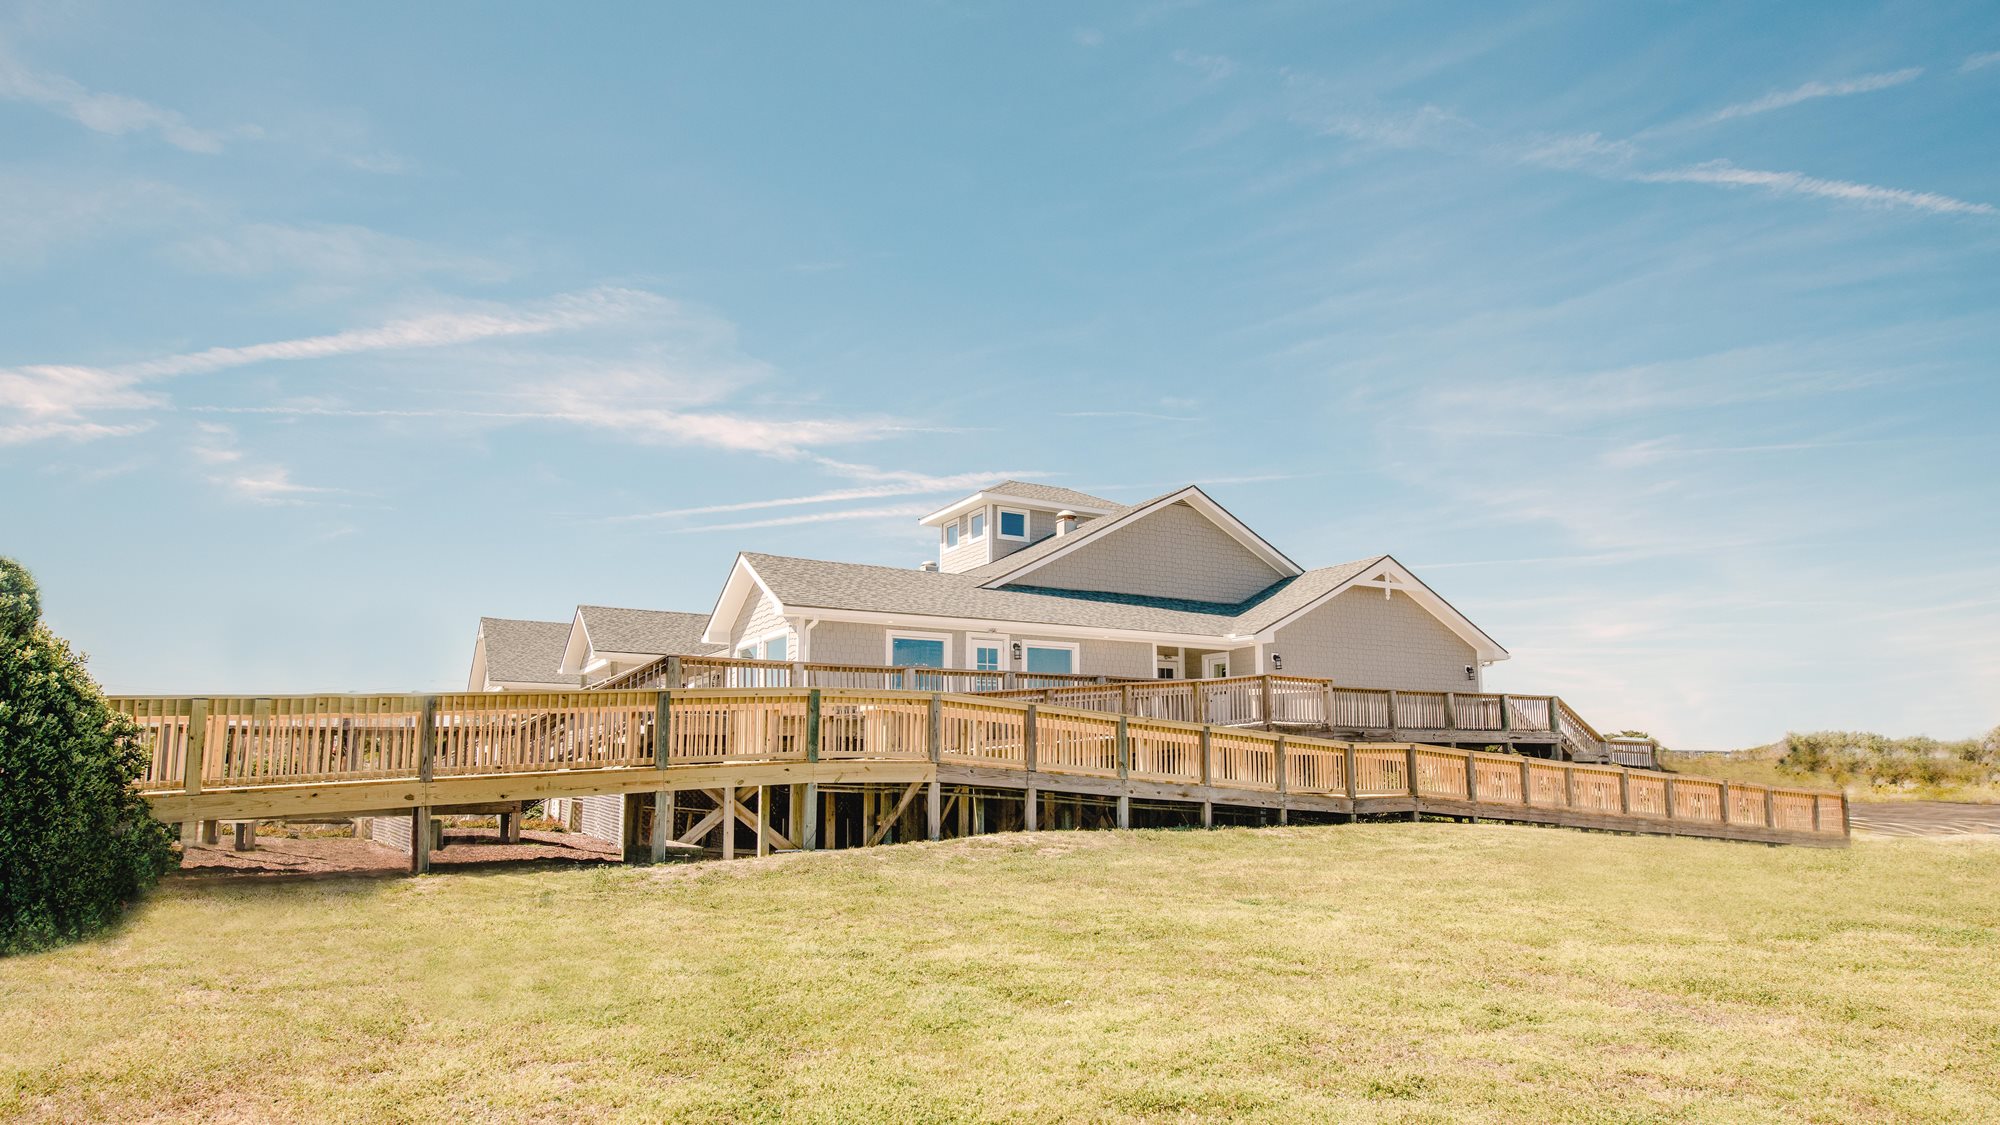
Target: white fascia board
x=743, y=582
x=980, y=499
x=1196, y=499
x=1488, y=649
x=476, y=680
x=576, y=653
x=1023, y=628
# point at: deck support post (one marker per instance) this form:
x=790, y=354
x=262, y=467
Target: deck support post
x=1670, y=805
x=246, y=836
x=728, y=822
x=1624, y=791
x=1410, y=767
x=663, y=823
x=1569, y=787
x=1527, y=783
x=197, y=739
x=1031, y=812
x=510, y=827
x=420, y=840
x=1451, y=710
x=674, y=682
x=1725, y=802
x=934, y=793
x=1393, y=727
x=1472, y=783
x=763, y=820
x=809, y=834
x=1770, y=809
x=1124, y=748
x=211, y=832
x=1207, y=789
x=1278, y=771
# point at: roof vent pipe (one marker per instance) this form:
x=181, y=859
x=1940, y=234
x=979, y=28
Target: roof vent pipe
x=928, y=564
x=1065, y=522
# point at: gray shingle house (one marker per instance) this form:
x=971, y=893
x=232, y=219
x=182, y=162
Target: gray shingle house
x=1035, y=578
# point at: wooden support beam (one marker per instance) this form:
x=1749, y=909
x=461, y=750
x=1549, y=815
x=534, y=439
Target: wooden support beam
x=662, y=730
x=1206, y=773
x=245, y=832
x=427, y=741
x=420, y=840
x=211, y=832
x=1279, y=772
x=663, y=822
x=809, y=835
x=762, y=824
x=1031, y=811
x=889, y=821
x=727, y=801
x=1269, y=718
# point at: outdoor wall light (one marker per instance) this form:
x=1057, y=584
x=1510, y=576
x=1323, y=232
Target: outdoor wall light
x=1277, y=663
x=1017, y=650
x=1471, y=673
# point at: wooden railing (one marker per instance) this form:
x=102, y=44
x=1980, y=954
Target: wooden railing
x=1303, y=701
x=674, y=672
x=1300, y=702
x=217, y=744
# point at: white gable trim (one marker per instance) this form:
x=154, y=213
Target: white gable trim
x=1389, y=575
x=577, y=653
x=1195, y=498
x=744, y=583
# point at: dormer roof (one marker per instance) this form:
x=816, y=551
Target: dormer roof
x=1017, y=568
x=1042, y=497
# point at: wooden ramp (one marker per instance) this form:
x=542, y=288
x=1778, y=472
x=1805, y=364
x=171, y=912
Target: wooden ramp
x=244, y=758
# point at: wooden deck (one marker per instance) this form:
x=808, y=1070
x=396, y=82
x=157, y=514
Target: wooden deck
x=250, y=758
x=1543, y=725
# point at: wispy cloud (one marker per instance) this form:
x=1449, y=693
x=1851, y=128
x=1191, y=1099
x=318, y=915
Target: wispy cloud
x=23, y=432
x=918, y=487
x=115, y=114
x=1809, y=91
x=64, y=391
x=1724, y=174
x=1979, y=61
x=901, y=511
x=1147, y=415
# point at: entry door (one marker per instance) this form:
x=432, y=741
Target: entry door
x=1215, y=667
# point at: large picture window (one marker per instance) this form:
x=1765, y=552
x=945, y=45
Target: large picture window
x=919, y=650
x=1049, y=658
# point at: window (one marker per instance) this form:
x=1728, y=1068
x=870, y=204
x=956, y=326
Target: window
x=951, y=534
x=1049, y=659
x=1013, y=525
x=978, y=524
x=919, y=650
x=986, y=657
x=776, y=647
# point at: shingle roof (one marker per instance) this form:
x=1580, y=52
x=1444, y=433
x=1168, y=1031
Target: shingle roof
x=525, y=652
x=653, y=632
x=820, y=584
x=1050, y=494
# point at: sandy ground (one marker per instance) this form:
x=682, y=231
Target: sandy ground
x=1924, y=818
x=343, y=855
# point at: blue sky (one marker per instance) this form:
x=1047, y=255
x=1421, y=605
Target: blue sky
x=1660, y=338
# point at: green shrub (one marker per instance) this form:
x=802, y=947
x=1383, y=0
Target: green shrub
x=77, y=842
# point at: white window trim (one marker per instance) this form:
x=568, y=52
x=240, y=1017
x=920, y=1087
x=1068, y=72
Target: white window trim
x=951, y=535
x=971, y=535
x=1027, y=524
x=889, y=645
x=1075, y=655
x=975, y=640
x=1208, y=665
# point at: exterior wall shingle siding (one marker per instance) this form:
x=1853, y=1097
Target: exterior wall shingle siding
x=1361, y=639
x=1173, y=553
x=848, y=642
x=762, y=620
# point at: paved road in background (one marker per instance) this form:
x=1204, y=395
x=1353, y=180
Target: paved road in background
x=1924, y=818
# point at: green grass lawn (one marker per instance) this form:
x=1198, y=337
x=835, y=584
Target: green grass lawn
x=1386, y=972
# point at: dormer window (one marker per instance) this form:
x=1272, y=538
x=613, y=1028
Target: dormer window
x=951, y=534
x=978, y=525
x=1013, y=524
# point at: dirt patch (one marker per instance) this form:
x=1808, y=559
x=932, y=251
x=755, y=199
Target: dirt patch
x=345, y=855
